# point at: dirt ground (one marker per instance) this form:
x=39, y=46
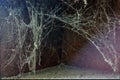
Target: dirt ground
x=66, y=72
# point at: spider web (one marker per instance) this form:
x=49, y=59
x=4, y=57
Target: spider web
x=97, y=26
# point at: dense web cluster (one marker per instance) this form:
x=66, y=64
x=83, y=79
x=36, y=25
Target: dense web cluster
x=95, y=24
x=99, y=27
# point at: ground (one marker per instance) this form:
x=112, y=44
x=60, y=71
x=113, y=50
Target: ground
x=67, y=72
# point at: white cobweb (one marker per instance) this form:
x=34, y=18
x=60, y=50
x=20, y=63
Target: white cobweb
x=102, y=33
x=100, y=29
